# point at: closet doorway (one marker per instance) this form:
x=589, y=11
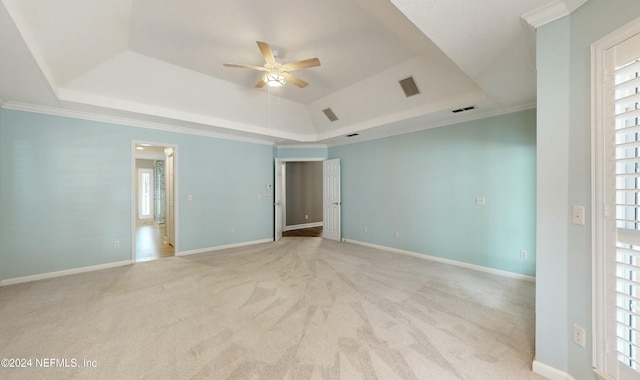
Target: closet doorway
x=153, y=212
x=298, y=198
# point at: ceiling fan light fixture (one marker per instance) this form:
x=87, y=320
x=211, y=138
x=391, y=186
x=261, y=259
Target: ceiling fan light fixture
x=274, y=79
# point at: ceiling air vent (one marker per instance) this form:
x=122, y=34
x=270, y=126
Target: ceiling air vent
x=409, y=87
x=329, y=114
x=464, y=109
x=353, y=135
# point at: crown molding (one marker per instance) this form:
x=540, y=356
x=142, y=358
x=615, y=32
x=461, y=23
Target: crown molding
x=303, y=146
x=551, y=12
x=17, y=106
x=476, y=115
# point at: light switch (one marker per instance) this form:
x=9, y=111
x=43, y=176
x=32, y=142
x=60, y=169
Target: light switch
x=578, y=215
x=480, y=201
x=189, y=197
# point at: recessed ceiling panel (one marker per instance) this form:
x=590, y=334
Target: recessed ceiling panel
x=351, y=44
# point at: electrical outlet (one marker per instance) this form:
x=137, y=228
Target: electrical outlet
x=523, y=254
x=397, y=235
x=116, y=244
x=306, y=216
x=233, y=231
x=579, y=335
x=366, y=229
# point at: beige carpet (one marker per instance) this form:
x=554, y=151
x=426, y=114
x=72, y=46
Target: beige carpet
x=302, y=308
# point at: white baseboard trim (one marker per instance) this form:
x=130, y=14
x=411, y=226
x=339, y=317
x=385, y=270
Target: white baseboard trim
x=301, y=226
x=66, y=272
x=220, y=247
x=480, y=268
x=550, y=372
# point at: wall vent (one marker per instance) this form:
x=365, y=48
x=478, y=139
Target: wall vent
x=329, y=114
x=409, y=86
x=464, y=109
x=353, y=134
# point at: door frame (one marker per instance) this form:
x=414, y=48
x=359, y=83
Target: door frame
x=283, y=191
x=133, y=207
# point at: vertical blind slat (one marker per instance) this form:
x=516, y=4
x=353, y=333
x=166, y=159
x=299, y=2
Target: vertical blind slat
x=627, y=189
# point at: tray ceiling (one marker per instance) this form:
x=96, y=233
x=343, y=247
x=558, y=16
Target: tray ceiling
x=159, y=63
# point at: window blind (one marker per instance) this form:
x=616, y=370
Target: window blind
x=624, y=175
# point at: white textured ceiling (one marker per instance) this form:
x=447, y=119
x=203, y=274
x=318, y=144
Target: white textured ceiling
x=159, y=63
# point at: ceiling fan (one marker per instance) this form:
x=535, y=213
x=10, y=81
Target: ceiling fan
x=277, y=74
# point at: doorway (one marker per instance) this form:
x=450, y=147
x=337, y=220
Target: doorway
x=153, y=211
x=300, y=198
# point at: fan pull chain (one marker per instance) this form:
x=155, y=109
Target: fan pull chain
x=269, y=110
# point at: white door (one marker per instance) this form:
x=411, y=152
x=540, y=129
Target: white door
x=331, y=199
x=277, y=200
x=169, y=192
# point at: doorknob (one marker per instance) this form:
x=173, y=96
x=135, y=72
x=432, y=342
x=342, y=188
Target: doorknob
x=337, y=203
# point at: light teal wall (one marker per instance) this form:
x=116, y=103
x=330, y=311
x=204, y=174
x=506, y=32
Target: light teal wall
x=563, y=286
x=301, y=153
x=65, y=191
x=424, y=185
x=553, y=183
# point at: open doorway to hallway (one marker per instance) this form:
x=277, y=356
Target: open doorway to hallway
x=154, y=227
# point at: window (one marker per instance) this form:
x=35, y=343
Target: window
x=145, y=193
x=616, y=204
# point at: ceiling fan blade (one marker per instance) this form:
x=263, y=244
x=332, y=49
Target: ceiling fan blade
x=266, y=51
x=294, y=79
x=261, y=83
x=259, y=68
x=311, y=62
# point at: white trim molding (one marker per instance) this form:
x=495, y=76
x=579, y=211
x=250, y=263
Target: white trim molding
x=550, y=372
x=555, y=10
x=302, y=146
x=479, y=268
x=221, y=247
x=66, y=272
x=475, y=115
x=602, y=376
x=17, y=106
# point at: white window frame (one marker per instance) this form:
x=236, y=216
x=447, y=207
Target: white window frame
x=151, y=173
x=599, y=119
